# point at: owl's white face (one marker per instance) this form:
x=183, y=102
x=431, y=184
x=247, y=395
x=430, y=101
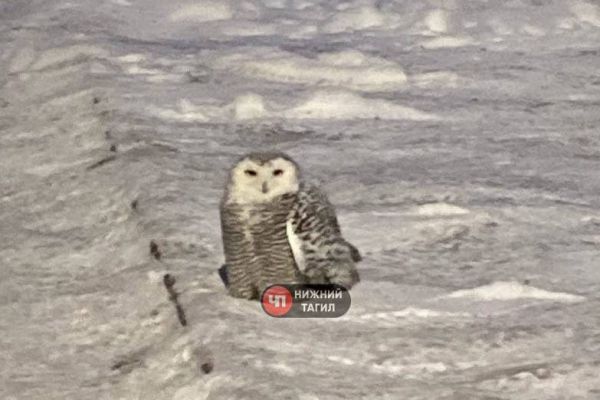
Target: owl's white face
x=255, y=181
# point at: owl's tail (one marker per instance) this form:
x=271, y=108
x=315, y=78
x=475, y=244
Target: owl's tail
x=223, y=275
x=354, y=253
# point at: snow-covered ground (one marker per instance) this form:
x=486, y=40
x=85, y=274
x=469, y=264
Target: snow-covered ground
x=458, y=139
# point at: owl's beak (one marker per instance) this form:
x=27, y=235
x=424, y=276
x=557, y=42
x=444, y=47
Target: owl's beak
x=265, y=189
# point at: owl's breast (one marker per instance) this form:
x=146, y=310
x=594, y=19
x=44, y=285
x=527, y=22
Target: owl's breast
x=259, y=241
x=260, y=226
x=269, y=218
x=266, y=228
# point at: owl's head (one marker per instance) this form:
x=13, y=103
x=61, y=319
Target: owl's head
x=261, y=177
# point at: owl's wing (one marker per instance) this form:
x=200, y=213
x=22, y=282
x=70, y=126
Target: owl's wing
x=314, y=235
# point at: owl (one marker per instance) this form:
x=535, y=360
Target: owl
x=278, y=229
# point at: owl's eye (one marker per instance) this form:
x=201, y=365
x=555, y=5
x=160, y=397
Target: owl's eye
x=278, y=172
x=250, y=172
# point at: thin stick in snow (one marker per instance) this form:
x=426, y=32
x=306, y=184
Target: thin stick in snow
x=169, y=282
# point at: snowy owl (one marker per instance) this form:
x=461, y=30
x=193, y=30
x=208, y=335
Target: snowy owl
x=279, y=230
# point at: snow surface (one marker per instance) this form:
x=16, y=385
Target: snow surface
x=513, y=291
x=457, y=139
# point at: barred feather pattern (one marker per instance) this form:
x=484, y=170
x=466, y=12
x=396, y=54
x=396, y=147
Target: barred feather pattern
x=256, y=246
x=327, y=256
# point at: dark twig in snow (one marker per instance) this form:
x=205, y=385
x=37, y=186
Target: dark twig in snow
x=154, y=250
x=169, y=282
x=207, y=367
x=102, y=162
